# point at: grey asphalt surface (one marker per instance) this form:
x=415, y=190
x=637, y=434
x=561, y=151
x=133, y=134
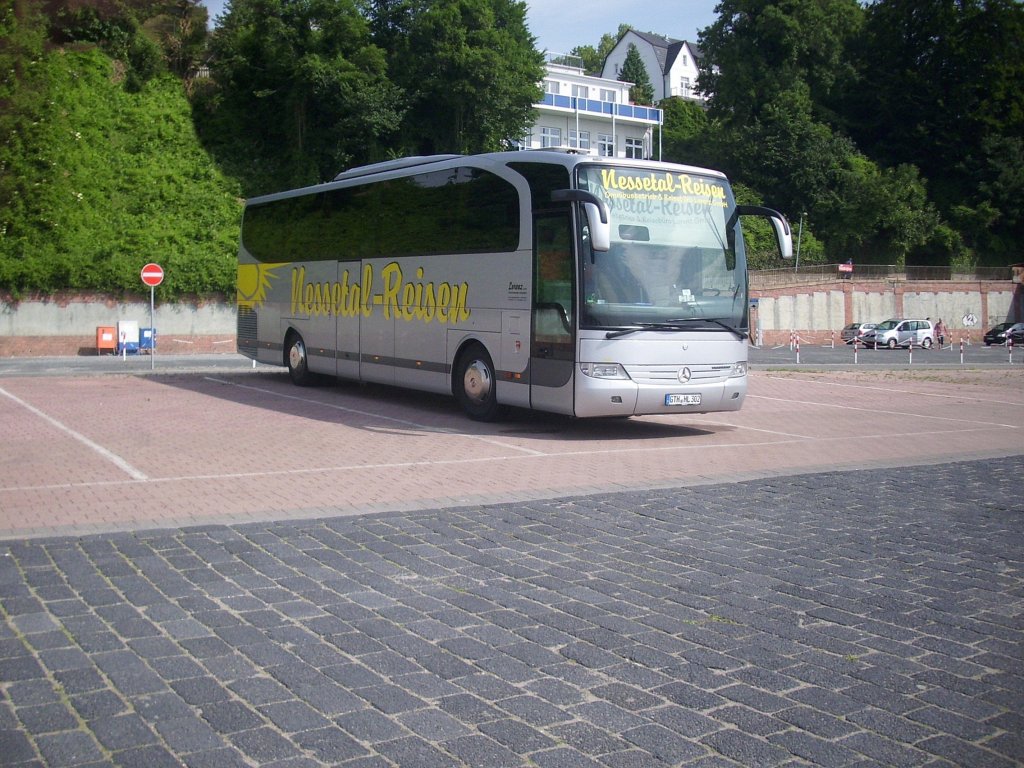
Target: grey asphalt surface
x=839, y=618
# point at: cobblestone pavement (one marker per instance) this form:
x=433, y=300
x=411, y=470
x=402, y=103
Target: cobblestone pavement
x=840, y=619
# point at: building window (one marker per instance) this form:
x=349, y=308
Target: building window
x=553, y=87
x=682, y=59
x=635, y=148
x=581, y=141
x=580, y=91
x=607, y=94
x=605, y=145
x=550, y=137
x=684, y=86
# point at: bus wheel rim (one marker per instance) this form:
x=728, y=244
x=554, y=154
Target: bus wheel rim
x=296, y=355
x=477, y=382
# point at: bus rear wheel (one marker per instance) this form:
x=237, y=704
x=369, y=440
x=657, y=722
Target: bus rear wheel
x=474, y=384
x=298, y=363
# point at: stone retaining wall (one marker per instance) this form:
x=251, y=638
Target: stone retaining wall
x=66, y=324
x=813, y=312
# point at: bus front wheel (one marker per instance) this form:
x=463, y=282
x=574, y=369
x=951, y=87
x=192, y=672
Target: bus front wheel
x=474, y=384
x=298, y=364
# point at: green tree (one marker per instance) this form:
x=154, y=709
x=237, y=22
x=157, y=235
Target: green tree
x=939, y=86
x=634, y=71
x=470, y=72
x=594, y=58
x=180, y=28
x=303, y=91
x=684, y=127
x=757, y=49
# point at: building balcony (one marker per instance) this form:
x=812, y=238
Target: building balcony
x=650, y=115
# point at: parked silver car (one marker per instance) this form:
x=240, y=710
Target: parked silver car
x=855, y=331
x=900, y=333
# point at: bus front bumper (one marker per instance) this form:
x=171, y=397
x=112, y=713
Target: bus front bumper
x=618, y=397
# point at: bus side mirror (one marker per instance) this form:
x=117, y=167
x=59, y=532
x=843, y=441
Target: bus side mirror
x=783, y=234
x=596, y=210
x=600, y=231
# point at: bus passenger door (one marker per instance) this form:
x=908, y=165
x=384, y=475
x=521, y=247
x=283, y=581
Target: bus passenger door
x=552, y=339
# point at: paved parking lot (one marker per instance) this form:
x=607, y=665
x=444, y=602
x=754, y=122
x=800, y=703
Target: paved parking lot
x=216, y=568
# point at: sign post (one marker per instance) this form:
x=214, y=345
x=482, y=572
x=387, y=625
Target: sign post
x=152, y=275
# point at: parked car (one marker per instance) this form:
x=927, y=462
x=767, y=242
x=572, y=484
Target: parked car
x=1000, y=333
x=900, y=333
x=855, y=331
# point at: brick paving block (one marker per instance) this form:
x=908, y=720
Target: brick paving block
x=481, y=751
x=293, y=716
x=199, y=690
x=746, y=749
x=97, y=704
x=414, y=751
x=750, y=721
x=225, y=757
x=663, y=743
x=263, y=744
x=67, y=748
x=684, y=721
x=562, y=757
x=329, y=745
x=47, y=718
x=469, y=708
x=16, y=747
x=519, y=737
x=390, y=699
x=883, y=750
x=230, y=716
x=188, y=734
x=816, y=750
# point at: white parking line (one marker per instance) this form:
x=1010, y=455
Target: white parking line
x=110, y=456
x=882, y=411
x=901, y=391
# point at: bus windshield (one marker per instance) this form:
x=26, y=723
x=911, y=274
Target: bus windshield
x=671, y=258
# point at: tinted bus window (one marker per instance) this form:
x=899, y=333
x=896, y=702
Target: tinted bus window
x=458, y=210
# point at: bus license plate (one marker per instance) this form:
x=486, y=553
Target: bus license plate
x=677, y=399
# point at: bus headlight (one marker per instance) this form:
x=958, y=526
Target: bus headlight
x=738, y=369
x=603, y=370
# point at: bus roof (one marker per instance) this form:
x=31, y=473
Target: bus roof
x=567, y=158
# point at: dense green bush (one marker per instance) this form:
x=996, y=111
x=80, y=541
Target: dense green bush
x=113, y=178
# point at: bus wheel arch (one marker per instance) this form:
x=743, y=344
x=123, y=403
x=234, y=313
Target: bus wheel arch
x=296, y=359
x=474, y=383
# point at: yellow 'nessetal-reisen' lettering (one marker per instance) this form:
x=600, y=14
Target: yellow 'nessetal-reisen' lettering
x=412, y=300
x=657, y=182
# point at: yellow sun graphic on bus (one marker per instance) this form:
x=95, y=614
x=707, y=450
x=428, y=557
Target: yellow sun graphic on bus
x=253, y=283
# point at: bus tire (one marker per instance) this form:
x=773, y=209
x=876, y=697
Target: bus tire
x=474, y=384
x=297, y=361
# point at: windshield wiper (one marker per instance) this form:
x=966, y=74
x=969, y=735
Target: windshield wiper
x=677, y=324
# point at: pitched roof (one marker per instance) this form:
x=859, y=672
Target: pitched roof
x=666, y=49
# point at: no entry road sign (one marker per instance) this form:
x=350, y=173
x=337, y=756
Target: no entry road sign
x=152, y=275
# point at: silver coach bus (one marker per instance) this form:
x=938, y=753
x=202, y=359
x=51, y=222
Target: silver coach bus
x=580, y=285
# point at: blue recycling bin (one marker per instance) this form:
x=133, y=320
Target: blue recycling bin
x=147, y=338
